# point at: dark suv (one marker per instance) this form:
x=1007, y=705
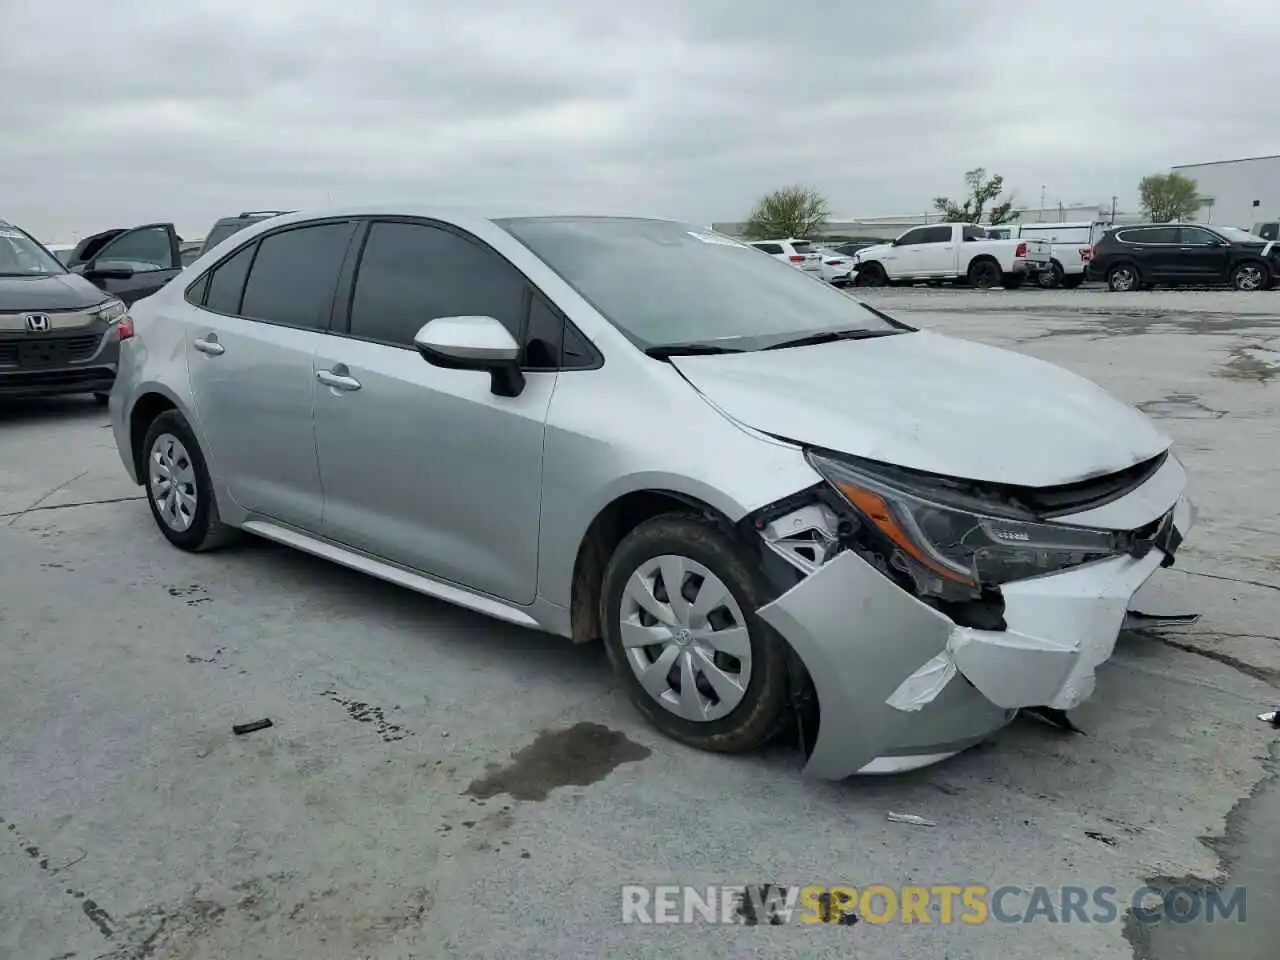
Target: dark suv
x=1172, y=254
x=59, y=333
x=232, y=225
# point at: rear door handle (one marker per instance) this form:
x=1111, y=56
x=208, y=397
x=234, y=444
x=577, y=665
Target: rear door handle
x=210, y=345
x=338, y=378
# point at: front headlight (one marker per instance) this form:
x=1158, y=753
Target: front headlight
x=954, y=540
x=110, y=311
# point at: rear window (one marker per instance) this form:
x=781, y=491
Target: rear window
x=802, y=246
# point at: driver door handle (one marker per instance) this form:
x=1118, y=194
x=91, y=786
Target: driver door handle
x=338, y=378
x=210, y=345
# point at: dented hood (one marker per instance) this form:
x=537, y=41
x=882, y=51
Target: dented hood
x=932, y=403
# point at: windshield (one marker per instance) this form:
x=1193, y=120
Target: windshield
x=664, y=283
x=21, y=256
x=1240, y=236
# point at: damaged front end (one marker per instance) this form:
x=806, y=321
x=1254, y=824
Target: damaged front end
x=927, y=610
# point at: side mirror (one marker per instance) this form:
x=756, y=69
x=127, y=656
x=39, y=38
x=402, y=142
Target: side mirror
x=474, y=343
x=119, y=271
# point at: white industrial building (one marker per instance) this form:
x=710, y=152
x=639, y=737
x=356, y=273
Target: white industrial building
x=1236, y=193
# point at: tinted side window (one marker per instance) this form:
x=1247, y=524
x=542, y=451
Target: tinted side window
x=196, y=292
x=411, y=273
x=227, y=282
x=913, y=236
x=294, y=276
x=977, y=233
x=1195, y=237
x=936, y=235
x=1268, y=231
x=144, y=250
x=769, y=247
x=1150, y=235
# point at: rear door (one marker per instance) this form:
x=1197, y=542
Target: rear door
x=137, y=262
x=249, y=354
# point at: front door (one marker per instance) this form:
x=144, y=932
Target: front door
x=137, y=262
x=424, y=466
x=249, y=353
x=1203, y=256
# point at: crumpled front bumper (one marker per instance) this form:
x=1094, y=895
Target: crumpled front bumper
x=900, y=685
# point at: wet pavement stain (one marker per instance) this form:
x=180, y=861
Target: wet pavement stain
x=1251, y=362
x=576, y=756
x=1180, y=406
x=367, y=713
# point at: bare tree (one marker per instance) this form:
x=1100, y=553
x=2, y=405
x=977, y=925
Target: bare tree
x=981, y=192
x=790, y=212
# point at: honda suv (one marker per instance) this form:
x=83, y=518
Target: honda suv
x=1173, y=254
x=59, y=333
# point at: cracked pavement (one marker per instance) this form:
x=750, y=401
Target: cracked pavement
x=436, y=784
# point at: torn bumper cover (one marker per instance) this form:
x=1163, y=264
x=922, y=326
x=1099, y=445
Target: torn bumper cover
x=901, y=685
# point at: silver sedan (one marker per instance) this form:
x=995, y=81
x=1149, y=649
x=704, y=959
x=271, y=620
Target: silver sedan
x=780, y=509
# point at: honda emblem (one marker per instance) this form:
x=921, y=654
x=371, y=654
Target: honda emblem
x=38, y=322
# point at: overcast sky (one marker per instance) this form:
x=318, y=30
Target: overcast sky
x=112, y=114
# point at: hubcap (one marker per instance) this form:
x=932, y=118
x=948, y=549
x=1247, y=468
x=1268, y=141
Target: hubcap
x=986, y=276
x=1122, y=279
x=172, y=482
x=1249, y=278
x=685, y=638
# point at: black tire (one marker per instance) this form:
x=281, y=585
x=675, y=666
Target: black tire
x=207, y=531
x=102, y=398
x=1012, y=281
x=1124, y=278
x=983, y=274
x=871, y=275
x=1052, y=278
x=1251, y=275
x=761, y=713
x=1071, y=281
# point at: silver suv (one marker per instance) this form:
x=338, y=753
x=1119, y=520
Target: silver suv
x=769, y=500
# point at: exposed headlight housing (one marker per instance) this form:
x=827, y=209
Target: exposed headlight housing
x=110, y=311
x=951, y=538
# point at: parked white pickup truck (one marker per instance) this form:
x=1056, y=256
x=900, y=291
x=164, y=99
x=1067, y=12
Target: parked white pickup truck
x=1070, y=247
x=951, y=251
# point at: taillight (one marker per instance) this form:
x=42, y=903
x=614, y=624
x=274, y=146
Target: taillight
x=124, y=328
x=796, y=258
x=1020, y=250
x=1086, y=254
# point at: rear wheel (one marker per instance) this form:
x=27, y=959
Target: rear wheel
x=983, y=274
x=179, y=490
x=1123, y=278
x=679, y=604
x=1050, y=277
x=1250, y=275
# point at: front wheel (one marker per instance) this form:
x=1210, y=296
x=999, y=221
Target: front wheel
x=679, y=604
x=179, y=490
x=1250, y=276
x=871, y=275
x=1050, y=277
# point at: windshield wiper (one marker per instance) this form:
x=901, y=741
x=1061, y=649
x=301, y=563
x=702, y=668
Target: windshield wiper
x=667, y=351
x=830, y=336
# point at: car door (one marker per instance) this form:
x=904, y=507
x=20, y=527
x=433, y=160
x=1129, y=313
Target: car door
x=1203, y=256
x=249, y=356
x=937, y=256
x=137, y=262
x=1156, y=252
x=421, y=465
x=904, y=256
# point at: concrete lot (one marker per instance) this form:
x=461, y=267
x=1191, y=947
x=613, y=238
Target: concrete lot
x=438, y=784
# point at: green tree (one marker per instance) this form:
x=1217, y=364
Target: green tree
x=981, y=192
x=1168, y=196
x=790, y=212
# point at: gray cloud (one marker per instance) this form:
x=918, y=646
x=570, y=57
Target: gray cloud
x=119, y=113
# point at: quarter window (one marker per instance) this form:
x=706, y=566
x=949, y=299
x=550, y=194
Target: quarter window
x=294, y=276
x=412, y=273
x=227, y=282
